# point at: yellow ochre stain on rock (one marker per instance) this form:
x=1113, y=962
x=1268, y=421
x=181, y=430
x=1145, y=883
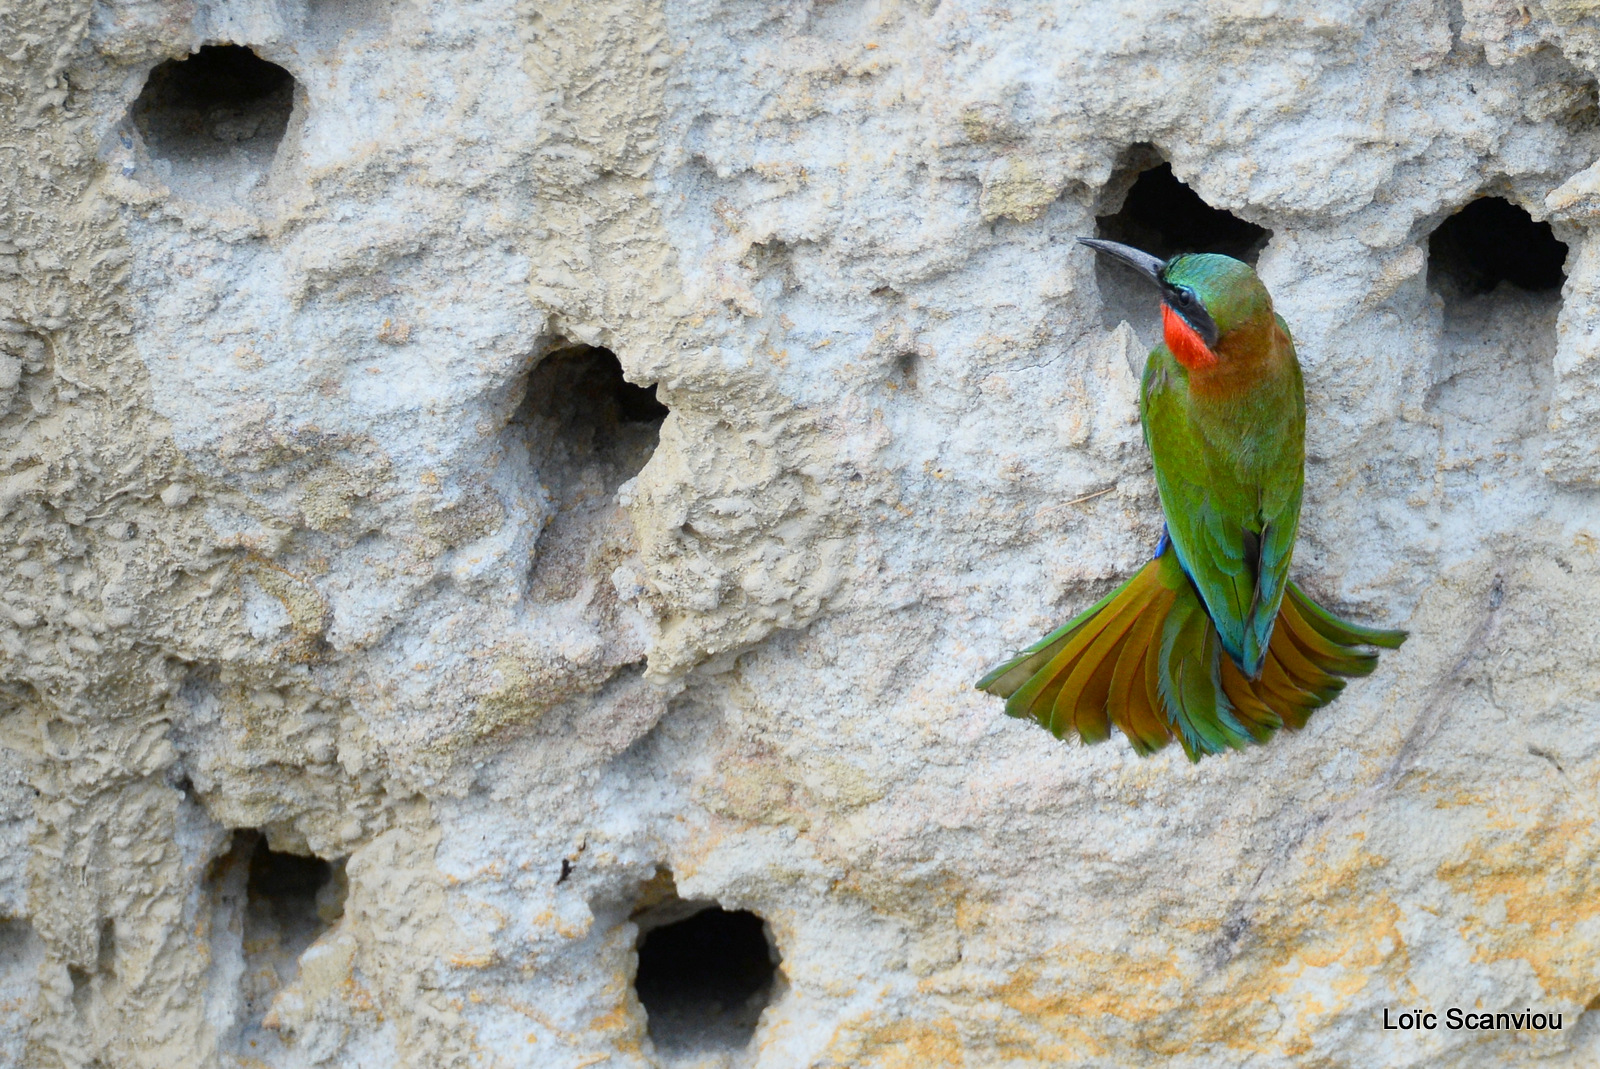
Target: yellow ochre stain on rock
x=1308, y=950
x=901, y=1044
x=1538, y=897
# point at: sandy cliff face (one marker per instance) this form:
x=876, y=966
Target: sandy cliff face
x=378, y=659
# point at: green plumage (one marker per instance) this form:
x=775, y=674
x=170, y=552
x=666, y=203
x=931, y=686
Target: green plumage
x=1210, y=643
x=1230, y=459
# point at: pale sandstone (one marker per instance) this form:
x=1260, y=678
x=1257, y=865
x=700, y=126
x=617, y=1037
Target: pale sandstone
x=282, y=555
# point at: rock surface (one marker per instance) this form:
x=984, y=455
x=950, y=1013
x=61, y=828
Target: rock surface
x=369, y=650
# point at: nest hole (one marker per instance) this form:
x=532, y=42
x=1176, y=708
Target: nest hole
x=1498, y=276
x=705, y=974
x=588, y=430
x=1164, y=217
x=223, y=103
x=1491, y=241
x=580, y=394
x=295, y=897
x=279, y=903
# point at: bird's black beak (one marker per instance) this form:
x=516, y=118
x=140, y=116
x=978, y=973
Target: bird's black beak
x=1142, y=262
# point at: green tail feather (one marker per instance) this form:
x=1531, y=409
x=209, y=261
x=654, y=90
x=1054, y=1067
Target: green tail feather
x=1196, y=704
x=1152, y=638
x=1340, y=631
x=1028, y=661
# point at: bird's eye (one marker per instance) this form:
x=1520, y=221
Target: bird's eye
x=1186, y=295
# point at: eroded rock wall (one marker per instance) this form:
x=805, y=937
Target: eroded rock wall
x=371, y=652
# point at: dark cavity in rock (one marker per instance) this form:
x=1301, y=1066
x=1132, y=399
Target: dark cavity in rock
x=1164, y=217
x=274, y=904
x=1491, y=241
x=1498, y=275
x=217, y=102
x=588, y=431
x=705, y=973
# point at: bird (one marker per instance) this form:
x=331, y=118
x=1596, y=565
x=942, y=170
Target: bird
x=1210, y=642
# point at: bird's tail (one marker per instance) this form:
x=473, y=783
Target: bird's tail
x=1147, y=659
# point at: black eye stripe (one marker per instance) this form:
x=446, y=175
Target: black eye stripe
x=1187, y=303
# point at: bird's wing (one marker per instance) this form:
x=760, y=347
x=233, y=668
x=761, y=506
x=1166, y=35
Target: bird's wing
x=1211, y=545
x=1278, y=521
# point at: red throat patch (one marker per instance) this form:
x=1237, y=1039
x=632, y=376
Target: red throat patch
x=1186, y=345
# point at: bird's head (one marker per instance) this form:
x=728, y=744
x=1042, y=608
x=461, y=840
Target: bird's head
x=1204, y=298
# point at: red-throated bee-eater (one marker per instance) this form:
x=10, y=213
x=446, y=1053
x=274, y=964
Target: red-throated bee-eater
x=1210, y=642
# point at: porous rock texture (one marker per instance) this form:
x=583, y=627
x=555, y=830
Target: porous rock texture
x=321, y=541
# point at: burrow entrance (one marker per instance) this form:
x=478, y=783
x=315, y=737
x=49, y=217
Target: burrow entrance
x=275, y=904
x=705, y=973
x=1149, y=208
x=588, y=430
x=1498, y=275
x=214, y=120
x=1491, y=241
